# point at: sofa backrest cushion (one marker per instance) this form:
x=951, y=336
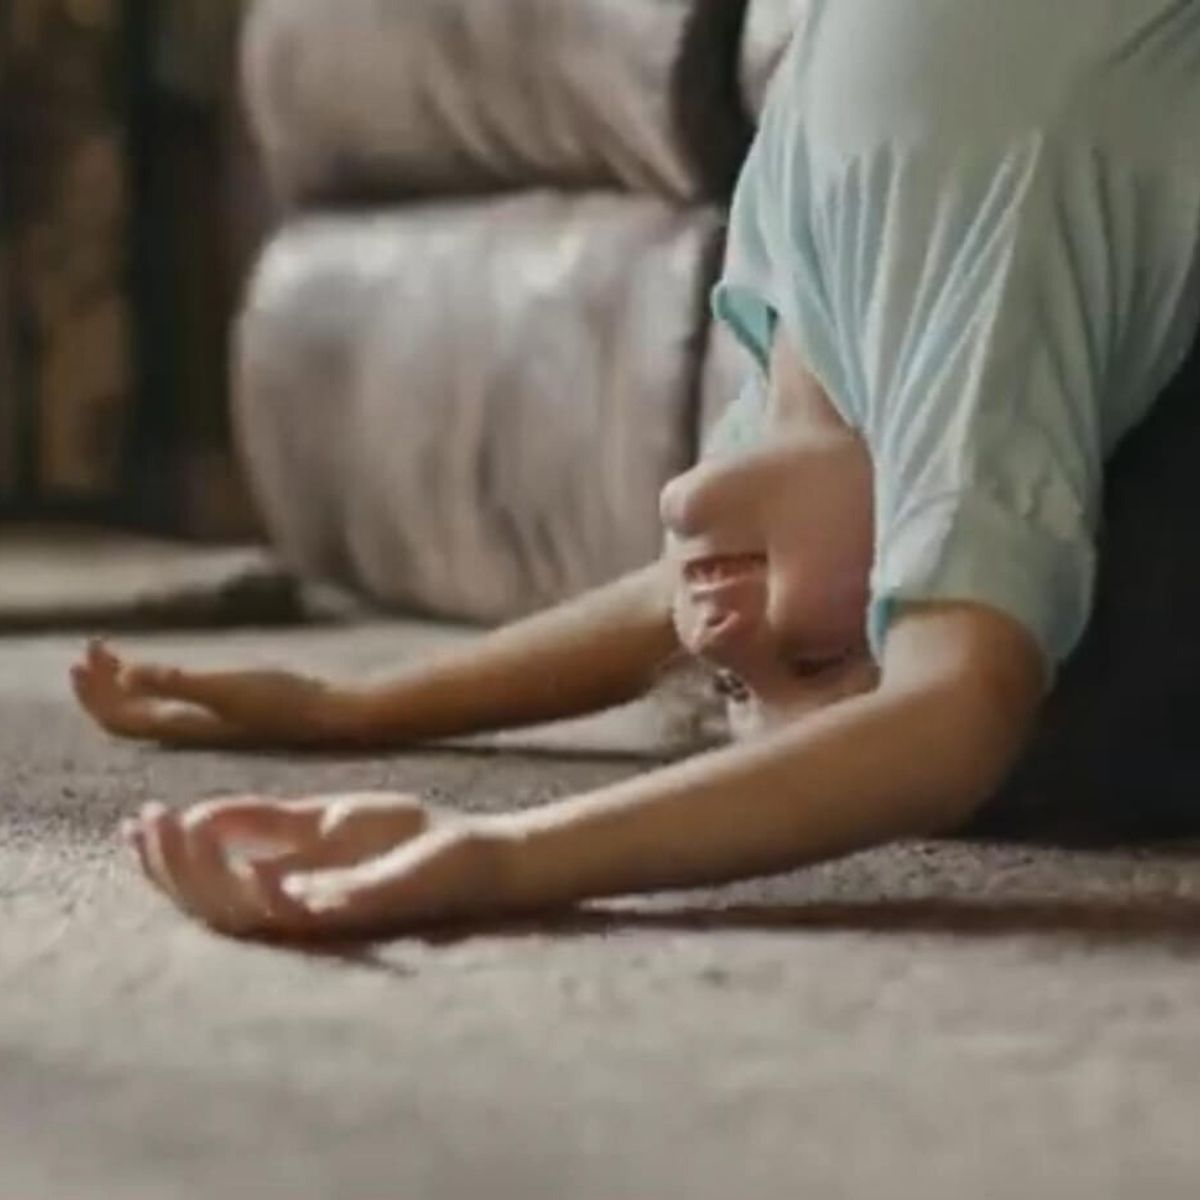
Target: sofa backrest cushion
x=360, y=99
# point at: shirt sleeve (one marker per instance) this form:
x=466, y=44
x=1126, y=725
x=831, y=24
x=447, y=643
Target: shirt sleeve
x=998, y=513
x=973, y=547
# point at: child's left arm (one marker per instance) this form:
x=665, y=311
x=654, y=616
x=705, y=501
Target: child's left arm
x=961, y=687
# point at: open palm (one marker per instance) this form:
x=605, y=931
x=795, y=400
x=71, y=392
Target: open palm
x=168, y=703
x=351, y=864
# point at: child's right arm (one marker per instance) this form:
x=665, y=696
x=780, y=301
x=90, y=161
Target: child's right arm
x=591, y=653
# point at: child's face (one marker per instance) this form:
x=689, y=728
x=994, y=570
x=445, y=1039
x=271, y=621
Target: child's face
x=773, y=550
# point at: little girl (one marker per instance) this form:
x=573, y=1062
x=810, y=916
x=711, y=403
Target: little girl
x=963, y=262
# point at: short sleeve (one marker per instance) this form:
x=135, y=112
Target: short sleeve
x=976, y=546
x=985, y=396
x=1001, y=514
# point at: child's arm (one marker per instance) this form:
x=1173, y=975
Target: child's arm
x=597, y=651
x=602, y=649
x=961, y=688
x=960, y=691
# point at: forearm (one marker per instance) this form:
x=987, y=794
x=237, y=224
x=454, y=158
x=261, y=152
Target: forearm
x=869, y=770
x=592, y=653
x=598, y=651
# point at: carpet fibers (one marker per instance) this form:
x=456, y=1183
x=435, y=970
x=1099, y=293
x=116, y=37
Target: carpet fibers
x=959, y=1021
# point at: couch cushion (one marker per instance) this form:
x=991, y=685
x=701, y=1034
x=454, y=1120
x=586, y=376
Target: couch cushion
x=470, y=409
x=354, y=97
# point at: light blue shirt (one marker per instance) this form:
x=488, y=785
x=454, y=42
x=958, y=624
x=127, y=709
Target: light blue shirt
x=977, y=221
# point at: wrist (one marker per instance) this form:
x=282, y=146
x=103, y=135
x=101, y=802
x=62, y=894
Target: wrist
x=343, y=713
x=558, y=855
x=393, y=713
x=521, y=884
x=492, y=855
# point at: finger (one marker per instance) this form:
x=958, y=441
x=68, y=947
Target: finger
x=290, y=822
x=81, y=685
x=90, y=682
x=198, y=879
x=100, y=695
x=146, y=838
x=248, y=882
x=197, y=875
x=323, y=854
x=325, y=816
x=315, y=835
x=101, y=659
x=136, y=837
x=284, y=917
x=400, y=814
x=166, y=853
x=352, y=828
x=225, y=892
x=126, y=716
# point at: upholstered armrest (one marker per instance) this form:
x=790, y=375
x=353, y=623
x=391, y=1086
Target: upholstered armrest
x=361, y=98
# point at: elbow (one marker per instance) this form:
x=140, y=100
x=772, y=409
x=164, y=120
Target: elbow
x=978, y=728
x=977, y=681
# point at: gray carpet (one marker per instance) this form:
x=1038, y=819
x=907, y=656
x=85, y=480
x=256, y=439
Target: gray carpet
x=951, y=1022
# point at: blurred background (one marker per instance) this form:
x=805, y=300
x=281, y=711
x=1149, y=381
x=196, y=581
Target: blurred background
x=128, y=209
x=407, y=296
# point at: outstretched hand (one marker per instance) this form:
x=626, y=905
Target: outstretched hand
x=336, y=866
x=172, y=704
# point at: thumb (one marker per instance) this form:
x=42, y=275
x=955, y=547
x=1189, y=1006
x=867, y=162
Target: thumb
x=279, y=825
x=419, y=880
x=317, y=892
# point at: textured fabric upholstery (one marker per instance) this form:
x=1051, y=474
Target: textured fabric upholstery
x=364, y=97
x=470, y=408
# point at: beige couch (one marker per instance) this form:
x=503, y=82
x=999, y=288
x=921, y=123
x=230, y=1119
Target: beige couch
x=479, y=344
